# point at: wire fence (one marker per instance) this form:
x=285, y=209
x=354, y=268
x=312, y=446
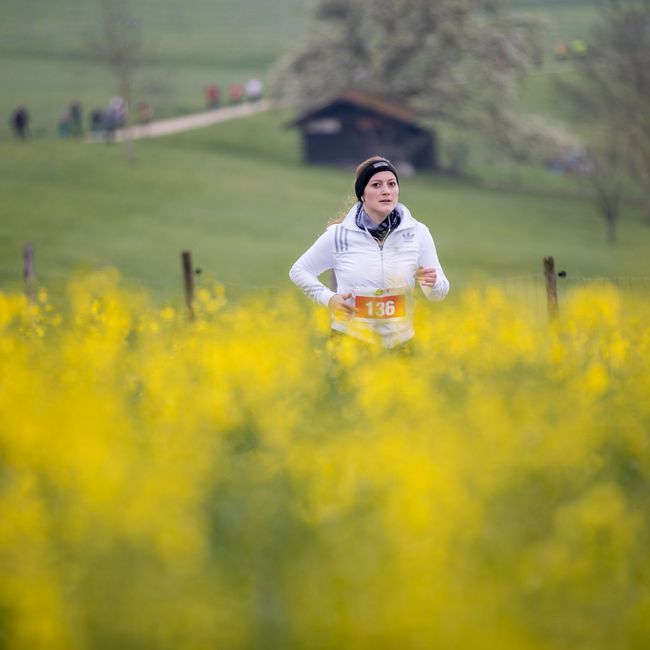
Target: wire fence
x=532, y=288
x=539, y=295
x=528, y=291
x=532, y=291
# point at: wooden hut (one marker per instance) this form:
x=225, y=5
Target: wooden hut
x=356, y=125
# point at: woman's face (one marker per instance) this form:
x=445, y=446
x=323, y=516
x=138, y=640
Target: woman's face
x=380, y=196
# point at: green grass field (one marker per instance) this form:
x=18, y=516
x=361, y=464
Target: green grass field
x=236, y=194
x=238, y=197
x=47, y=53
x=565, y=20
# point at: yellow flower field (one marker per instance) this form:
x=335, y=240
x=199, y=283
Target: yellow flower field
x=235, y=482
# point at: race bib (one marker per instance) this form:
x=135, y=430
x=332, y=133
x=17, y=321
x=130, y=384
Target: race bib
x=380, y=305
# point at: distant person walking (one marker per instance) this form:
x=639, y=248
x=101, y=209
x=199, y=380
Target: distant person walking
x=114, y=117
x=76, y=119
x=97, y=124
x=20, y=122
x=211, y=94
x=378, y=252
x=63, y=125
x=254, y=89
x=235, y=93
x=144, y=111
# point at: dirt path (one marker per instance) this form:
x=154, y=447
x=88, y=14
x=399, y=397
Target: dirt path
x=188, y=122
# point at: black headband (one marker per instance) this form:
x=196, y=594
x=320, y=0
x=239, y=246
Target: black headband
x=372, y=168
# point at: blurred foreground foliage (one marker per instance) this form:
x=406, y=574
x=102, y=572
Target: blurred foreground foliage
x=233, y=482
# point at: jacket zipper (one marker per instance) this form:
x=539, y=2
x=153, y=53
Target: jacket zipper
x=381, y=259
x=381, y=255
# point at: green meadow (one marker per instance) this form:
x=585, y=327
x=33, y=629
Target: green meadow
x=48, y=49
x=48, y=52
x=238, y=197
x=237, y=194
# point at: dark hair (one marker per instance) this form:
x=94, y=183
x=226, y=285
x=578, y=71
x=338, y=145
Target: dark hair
x=367, y=169
x=357, y=175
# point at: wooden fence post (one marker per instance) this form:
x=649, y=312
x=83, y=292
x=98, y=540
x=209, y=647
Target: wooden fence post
x=188, y=278
x=551, y=288
x=28, y=271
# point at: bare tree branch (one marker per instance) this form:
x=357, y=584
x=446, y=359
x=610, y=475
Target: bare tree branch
x=119, y=45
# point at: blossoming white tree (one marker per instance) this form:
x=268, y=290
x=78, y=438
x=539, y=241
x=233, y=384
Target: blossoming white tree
x=614, y=93
x=455, y=61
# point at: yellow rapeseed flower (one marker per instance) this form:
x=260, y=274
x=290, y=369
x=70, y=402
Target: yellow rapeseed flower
x=239, y=479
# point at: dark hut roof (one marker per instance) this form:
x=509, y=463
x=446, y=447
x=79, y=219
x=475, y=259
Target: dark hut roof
x=365, y=100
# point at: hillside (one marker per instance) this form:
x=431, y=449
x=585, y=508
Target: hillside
x=237, y=195
x=47, y=52
x=47, y=49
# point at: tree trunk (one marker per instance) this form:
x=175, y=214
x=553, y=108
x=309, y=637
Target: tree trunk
x=125, y=88
x=610, y=223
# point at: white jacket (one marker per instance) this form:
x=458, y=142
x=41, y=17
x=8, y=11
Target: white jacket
x=364, y=268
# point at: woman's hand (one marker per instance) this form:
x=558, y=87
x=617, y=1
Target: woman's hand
x=427, y=277
x=340, y=307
